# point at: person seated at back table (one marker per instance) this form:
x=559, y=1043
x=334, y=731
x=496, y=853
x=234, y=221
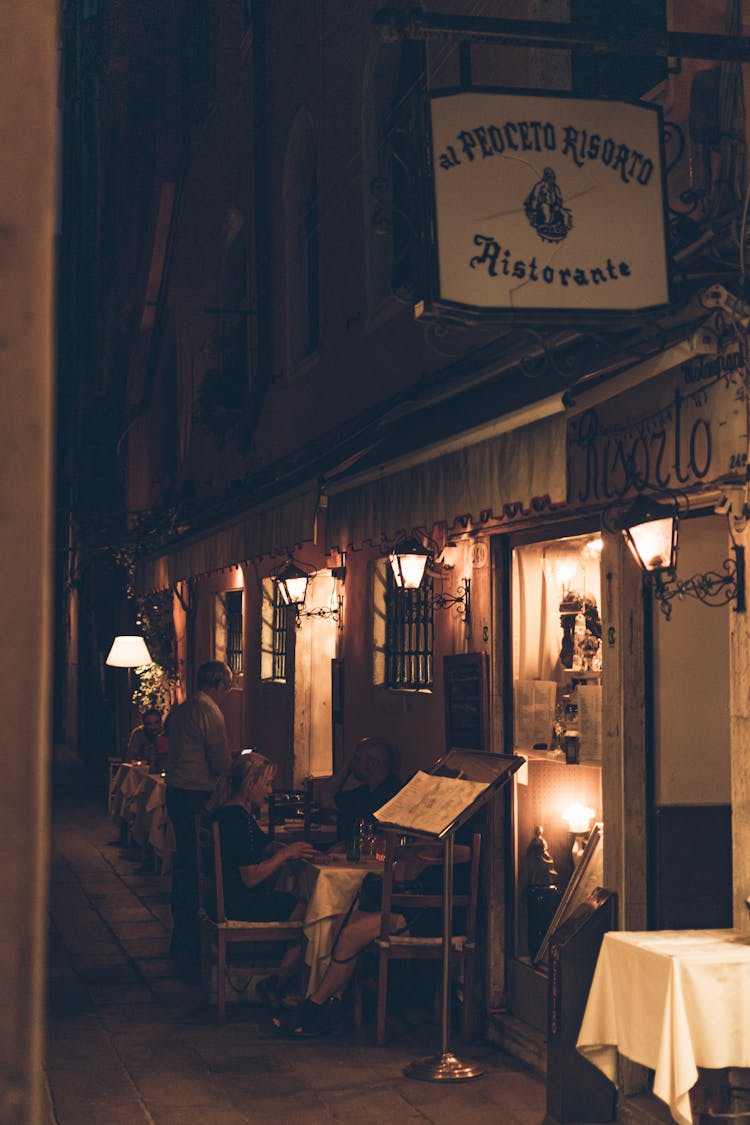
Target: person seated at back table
x=250, y=863
x=143, y=741
x=374, y=764
x=418, y=868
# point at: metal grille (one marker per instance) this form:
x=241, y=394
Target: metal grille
x=408, y=635
x=233, y=610
x=280, y=622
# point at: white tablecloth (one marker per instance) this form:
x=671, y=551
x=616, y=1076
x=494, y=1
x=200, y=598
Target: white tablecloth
x=329, y=889
x=673, y=1001
x=139, y=800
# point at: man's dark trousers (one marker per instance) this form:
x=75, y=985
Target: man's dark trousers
x=182, y=807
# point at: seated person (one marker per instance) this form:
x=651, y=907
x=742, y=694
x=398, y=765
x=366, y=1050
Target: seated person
x=143, y=741
x=250, y=863
x=374, y=765
x=419, y=867
x=162, y=747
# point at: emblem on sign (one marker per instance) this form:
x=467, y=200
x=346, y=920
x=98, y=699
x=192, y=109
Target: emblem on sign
x=545, y=209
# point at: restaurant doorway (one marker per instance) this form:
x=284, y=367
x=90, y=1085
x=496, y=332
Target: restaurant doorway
x=556, y=715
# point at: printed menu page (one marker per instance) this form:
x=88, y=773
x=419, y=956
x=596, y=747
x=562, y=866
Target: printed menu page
x=534, y=713
x=589, y=700
x=430, y=804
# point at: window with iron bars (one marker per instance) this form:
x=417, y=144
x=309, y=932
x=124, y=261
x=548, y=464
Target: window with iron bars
x=233, y=611
x=228, y=629
x=403, y=633
x=274, y=632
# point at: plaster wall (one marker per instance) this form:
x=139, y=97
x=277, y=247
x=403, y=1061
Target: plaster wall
x=691, y=682
x=27, y=220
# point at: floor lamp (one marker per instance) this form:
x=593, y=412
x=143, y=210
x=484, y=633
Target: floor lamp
x=128, y=652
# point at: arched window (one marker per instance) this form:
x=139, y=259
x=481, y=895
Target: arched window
x=389, y=132
x=301, y=243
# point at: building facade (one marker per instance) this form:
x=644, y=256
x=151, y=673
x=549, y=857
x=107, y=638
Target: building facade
x=300, y=382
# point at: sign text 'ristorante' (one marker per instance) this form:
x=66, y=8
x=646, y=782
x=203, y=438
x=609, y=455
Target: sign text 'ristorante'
x=547, y=203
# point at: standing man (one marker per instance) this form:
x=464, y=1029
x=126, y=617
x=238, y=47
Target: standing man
x=198, y=755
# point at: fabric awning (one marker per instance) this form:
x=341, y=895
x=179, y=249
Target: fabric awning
x=487, y=478
x=272, y=529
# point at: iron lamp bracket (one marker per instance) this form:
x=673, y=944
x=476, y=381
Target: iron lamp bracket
x=713, y=588
x=461, y=600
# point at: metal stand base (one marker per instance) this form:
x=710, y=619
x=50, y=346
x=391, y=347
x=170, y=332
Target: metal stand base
x=443, y=1068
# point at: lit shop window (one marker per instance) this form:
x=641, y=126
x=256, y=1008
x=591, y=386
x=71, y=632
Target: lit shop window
x=273, y=633
x=403, y=634
x=557, y=724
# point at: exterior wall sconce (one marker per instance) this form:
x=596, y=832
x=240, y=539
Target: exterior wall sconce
x=293, y=581
x=650, y=531
x=410, y=560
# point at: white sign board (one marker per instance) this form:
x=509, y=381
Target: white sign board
x=548, y=203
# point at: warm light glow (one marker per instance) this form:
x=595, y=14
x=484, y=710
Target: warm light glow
x=448, y=556
x=129, y=652
x=579, y=818
x=408, y=562
x=651, y=544
x=292, y=584
x=566, y=567
x=650, y=531
x=594, y=547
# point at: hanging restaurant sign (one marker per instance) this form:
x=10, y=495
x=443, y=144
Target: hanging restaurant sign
x=679, y=430
x=546, y=203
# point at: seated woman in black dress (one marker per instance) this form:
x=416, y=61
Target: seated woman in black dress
x=250, y=864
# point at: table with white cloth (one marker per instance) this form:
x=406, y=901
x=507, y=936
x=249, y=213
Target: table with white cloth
x=139, y=801
x=329, y=887
x=673, y=1001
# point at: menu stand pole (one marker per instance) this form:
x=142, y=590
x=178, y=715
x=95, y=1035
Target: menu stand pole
x=445, y=1067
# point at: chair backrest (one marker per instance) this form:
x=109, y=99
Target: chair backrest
x=395, y=900
x=286, y=804
x=210, y=876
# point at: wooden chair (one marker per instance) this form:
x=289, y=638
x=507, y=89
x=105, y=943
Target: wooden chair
x=113, y=770
x=297, y=809
x=289, y=805
x=404, y=946
x=216, y=930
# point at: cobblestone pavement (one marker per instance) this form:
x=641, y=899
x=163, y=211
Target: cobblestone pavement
x=127, y=1040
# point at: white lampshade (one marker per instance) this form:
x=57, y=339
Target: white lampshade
x=129, y=652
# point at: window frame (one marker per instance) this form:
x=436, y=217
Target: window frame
x=403, y=633
x=274, y=635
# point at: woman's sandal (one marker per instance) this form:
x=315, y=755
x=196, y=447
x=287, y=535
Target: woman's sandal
x=308, y=1021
